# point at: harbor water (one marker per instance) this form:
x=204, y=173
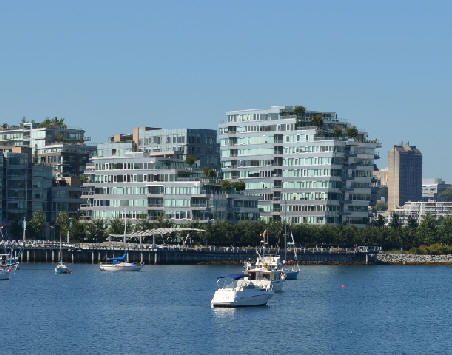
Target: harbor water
x=166, y=309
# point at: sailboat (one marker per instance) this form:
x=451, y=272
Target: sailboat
x=120, y=263
x=291, y=273
x=61, y=268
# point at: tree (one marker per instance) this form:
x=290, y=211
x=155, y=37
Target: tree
x=62, y=221
x=60, y=137
x=190, y=160
x=427, y=231
x=445, y=230
x=382, y=192
x=96, y=231
x=395, y=222
x=379, y=222
x=300, y=111
x=238, y=185
x=77, y=230
x=412, y=223
x=445, y=195
x=338, y=131
x=116, y=226
x=37, y=223
x=317, y=120
x=225, y=185
x=210, y=173
x=352, y=132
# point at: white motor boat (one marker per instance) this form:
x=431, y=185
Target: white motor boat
x=266, y=272
x=265, y=278
x=239, y=293
x=120, y=266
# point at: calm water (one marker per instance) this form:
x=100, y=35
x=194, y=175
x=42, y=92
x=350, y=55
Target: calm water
x=166, y=309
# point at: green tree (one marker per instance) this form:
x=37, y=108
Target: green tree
x=445, y=195
x=445, y=230
x=395, y=222
x=379, y=222
x=300, y=111
x=338, y=131
x=37, y=224
x=352, y=132
x=382, y=192
x=62, y=221
x=238, y=185
x=412, y=223
x=60, y=137
x=225, y=185
x=427, y=231
x=317, y=120
x=190, y=160
x=96, y=231
x=210, y=173
x=77, y=230
x=116, y=226
x=83, y=179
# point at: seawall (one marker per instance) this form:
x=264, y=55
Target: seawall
x=413, y=259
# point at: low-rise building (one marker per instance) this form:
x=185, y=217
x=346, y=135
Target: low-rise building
x=431, y=188
x=140, y=185
x=417, y=211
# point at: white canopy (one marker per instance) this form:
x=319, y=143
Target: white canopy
x=152, y=232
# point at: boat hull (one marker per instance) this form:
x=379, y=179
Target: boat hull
x=119, y=267
x=232, y=299
x=62, y=270
x=291, y=275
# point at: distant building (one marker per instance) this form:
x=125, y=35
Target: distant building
x=66, y=197
x=304, y=166
x=418, y=210
x=183, y=142
x=432, y=187
x=381, y=177
x=52, y=143
x=404, y=175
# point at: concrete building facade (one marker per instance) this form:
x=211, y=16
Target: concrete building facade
x=140, y=186
x=404, y=175
x=304, y=166
x=418, y=210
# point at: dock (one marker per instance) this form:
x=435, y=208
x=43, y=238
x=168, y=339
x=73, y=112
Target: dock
x=48, y=252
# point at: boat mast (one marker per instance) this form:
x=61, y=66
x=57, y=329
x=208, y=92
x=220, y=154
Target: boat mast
x=61, y=254
x=285, y=230
x=125, y=229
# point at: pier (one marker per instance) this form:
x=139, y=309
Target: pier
x=150, y=254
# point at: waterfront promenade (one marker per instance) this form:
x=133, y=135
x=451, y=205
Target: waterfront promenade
x=48, y=251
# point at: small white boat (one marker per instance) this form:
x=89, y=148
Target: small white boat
x=239, y=293
x=62, y=269
x=120, y=266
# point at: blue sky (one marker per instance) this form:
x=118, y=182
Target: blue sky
x=107, y=66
